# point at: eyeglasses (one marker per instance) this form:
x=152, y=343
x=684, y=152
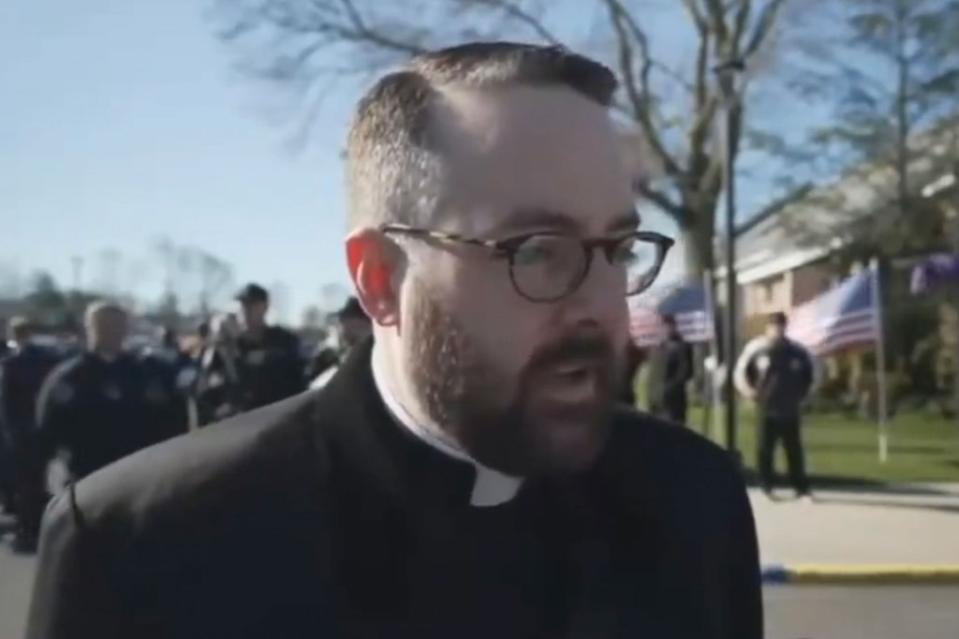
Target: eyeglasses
x=546, y=267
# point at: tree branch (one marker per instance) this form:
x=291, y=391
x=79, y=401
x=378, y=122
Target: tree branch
x=513, y=10
x=362, y=32
x=660, y=199
x=743, y=13
x=764, y=25
x=699, y=20
x=717, y=20
x=638, y=95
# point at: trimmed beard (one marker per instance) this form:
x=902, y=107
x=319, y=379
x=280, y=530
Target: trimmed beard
x=499, y=422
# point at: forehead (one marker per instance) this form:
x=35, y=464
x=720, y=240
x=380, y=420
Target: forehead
x=530, y=148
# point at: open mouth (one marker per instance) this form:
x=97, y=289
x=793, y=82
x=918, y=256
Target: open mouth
x=572, y=382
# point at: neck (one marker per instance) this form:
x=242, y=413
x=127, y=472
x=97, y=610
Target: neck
x=490, y=488
x=385, y=370
x=255, y=331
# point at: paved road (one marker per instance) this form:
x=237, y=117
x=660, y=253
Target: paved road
x=862, y=527
x=867, y=612
x=16, y=578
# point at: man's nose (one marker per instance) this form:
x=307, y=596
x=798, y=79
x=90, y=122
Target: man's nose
x=600, y=298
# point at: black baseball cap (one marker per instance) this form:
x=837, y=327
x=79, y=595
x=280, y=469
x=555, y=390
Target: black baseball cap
x=252, y=293
x=352, y=308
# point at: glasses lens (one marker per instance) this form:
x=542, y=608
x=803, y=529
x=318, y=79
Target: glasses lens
x=641, y=260
x=547, y=267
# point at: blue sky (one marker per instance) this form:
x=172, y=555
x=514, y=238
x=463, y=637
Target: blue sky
x=123, y=122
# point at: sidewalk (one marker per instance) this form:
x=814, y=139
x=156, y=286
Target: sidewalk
x=907, y=533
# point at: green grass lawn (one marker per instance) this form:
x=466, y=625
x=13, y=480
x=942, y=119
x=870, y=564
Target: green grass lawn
x=922, y=447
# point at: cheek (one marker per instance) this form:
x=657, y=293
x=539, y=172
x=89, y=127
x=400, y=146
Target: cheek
x=497, y=320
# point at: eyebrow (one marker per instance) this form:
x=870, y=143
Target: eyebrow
x=628, y=221
x=538, y=218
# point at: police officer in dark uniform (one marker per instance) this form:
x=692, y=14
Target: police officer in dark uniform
x=100, y=405
x=778, y=374
x=175, y=371
x=672, y=364
x=21, y=375
x=250, y=365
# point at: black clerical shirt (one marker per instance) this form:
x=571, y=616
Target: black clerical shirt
x=320, y=517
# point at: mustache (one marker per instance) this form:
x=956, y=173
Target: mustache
x=593, y=346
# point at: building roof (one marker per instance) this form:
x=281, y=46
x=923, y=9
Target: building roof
x=814, y=221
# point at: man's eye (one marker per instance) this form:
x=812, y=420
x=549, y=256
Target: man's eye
x=625, y=254
x=535, y=251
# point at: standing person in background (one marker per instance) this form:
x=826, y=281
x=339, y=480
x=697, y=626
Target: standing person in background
x=172, y=374
x=353, y=327
x=101, y=405
x=218, y=390
x=671, y=368
x=22, y=373
x=261, y=362
x=634, y=360
x=777, y=373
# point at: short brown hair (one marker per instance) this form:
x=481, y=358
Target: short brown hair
x=390, y=154
x=102, y=307
x=19, y=328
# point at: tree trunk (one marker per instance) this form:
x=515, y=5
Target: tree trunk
x=902, y=109
x=697, y=240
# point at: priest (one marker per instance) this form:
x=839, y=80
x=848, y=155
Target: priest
x=466, y=472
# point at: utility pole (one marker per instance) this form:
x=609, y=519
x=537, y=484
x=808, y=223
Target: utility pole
x=728, y=75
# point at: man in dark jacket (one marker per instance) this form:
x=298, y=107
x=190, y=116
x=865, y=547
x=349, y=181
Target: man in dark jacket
x=22, y=373
x=672, y=368
x=252, y=365
x=353, y=327
x=101, y=405
x=467, y=473
x=778, y=374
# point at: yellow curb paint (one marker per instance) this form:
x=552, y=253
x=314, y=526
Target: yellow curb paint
x=876, y=573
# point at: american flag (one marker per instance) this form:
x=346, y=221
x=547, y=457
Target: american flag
x=840, y=318
x=689, y=305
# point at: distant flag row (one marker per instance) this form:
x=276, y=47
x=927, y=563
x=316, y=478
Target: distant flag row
x=689, y=305
x=843, y=317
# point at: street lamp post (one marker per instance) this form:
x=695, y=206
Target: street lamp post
x=728, y=74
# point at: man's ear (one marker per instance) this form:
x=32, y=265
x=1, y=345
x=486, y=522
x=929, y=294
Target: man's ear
x=373, y=262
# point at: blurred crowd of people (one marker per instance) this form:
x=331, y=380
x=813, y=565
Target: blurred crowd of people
x=65, y=413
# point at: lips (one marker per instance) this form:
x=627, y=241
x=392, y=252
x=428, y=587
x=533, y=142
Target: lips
x=572, y=382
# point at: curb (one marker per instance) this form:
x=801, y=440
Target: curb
x=878, y=574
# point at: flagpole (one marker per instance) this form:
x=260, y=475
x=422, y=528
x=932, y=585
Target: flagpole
x=709, y=421
x=880, y=362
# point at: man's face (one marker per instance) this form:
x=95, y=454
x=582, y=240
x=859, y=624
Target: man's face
x=107, y=331
x=526, y=387
x=253, y=313
x=775, y=330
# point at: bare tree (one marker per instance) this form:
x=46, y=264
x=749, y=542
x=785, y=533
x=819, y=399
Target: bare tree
x=216, y=279
x=284, y=41
x=192, y=273
x=312, y=318
x=891, y=74
x=332, y=297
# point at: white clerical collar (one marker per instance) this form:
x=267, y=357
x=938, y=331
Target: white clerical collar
x=491, y=487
